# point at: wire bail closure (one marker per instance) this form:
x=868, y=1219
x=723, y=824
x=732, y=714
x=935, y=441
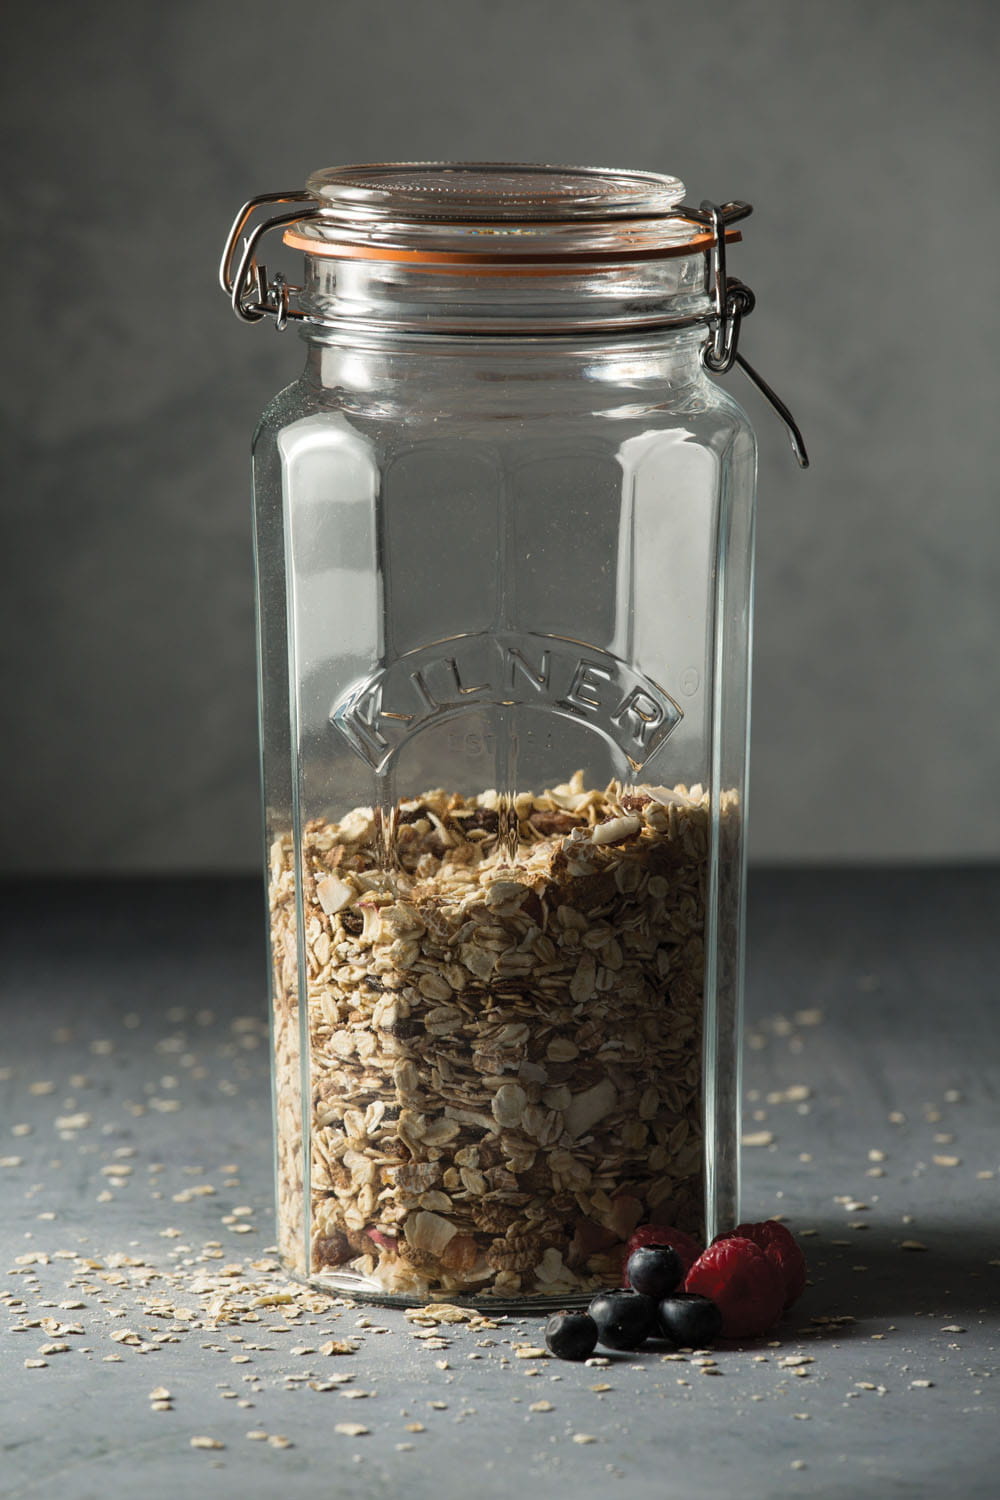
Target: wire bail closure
x=731, y=299
x=254, y=296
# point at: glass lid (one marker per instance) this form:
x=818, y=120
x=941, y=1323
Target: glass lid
x=491, y=191
x=500, y=211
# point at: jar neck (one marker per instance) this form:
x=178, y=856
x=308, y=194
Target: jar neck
x=530, y=377
x=386, y=296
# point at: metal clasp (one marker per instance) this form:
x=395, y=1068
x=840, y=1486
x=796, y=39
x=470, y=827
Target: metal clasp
x=732, y=301
x=253, y=296
x=727, y=307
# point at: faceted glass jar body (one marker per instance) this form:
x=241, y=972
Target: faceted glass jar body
x=504, y=595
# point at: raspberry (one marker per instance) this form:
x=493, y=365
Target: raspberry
x=743, y=1283
x=661, y=1234
x=781, y=1248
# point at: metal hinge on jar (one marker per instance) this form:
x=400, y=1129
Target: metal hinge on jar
x=732, y=301
x=253, y=295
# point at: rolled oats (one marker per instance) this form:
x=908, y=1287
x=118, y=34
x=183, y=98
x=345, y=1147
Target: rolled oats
x=504, y=1047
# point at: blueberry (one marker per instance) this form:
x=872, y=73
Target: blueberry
x=690, y=1321
x=654, y=1270
x=624, y=1319
x=571, y=1335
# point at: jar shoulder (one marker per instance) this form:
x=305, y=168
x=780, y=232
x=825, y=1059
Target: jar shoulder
x=291, y=404
x=702, y=414
x=709, y=416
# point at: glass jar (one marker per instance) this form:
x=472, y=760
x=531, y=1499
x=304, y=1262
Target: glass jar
x=504, y=528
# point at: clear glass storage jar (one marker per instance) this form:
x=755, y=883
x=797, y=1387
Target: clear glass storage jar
x=504, y=527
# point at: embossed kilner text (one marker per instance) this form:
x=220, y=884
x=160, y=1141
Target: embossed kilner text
x=505, y=670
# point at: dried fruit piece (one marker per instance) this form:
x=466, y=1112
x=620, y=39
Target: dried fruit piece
x=460, y=1253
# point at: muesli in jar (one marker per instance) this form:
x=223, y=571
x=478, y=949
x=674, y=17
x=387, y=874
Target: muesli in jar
x=505, y=1041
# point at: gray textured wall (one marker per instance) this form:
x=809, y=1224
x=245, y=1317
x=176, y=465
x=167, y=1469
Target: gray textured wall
x=864, y=131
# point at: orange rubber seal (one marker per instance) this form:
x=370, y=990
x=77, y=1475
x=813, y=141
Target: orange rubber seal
x=461, y=263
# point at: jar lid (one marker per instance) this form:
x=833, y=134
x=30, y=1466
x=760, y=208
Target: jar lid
x=488, y=191
x=500, y=212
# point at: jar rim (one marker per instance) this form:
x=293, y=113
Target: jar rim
x=481, y=214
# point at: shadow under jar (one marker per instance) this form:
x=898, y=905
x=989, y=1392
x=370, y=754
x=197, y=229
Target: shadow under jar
x=504, y=528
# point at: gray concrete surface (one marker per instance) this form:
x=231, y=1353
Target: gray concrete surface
x=128, y=998
x=865, y=136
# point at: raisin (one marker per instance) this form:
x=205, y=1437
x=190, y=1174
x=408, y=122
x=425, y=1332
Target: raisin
x=554, y=822
x=413, y=814
x=331, y=1250
x=483, y=817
